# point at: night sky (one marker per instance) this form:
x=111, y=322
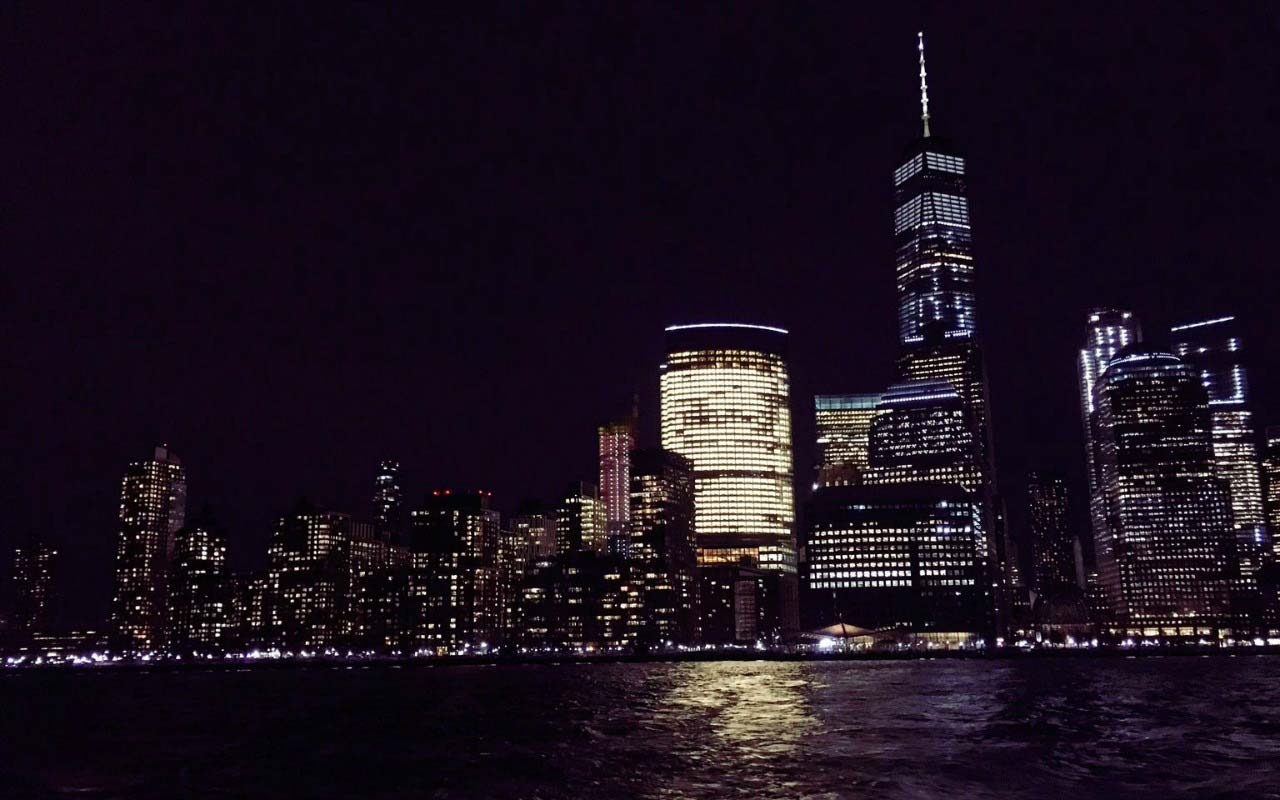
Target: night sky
x=295, y=242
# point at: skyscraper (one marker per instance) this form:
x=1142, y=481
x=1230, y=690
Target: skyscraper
x=388, y=499
x=1272, y=467
x=935, y=269
x=937, y=301
x=199, y=589
x=153, y=503
x=1166, y=553
x=1053, y=546
x=1107, y=332
x=844, y=429
x=616, y=441
x=33, y=566
x=1215, y=349
x=663, y=550
x=726, y=407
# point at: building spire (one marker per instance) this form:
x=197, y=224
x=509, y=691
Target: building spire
x=924, y=86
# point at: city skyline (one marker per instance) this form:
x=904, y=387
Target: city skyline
x=69, y=499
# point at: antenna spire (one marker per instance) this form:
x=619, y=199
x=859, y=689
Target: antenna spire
x=924, y=86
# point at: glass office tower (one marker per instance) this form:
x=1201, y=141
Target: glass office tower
x=726, y=407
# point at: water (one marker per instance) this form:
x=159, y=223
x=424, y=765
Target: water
x=1130, y=728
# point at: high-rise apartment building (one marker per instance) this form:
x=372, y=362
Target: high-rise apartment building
x=616, y=441
x=33, y=568
x=153, y=503
x=726, y=407
x=305, y=593
x=388, y=498
x=1215, y=349
x=199, y=588
x=844, y=431
x=1166, y=553
x=663, y=548
x=581, y=521
x=455, y=588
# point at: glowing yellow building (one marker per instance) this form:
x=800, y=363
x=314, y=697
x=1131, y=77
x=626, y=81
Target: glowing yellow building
x=726, y=408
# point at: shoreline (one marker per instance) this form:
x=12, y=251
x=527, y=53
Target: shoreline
x=567, y=659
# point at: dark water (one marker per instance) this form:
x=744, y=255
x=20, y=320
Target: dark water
x=1137, y=728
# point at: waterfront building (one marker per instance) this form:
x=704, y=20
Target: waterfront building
x=1107, y=332
x=153, y=503
x=377, y=575
x=726, y=407
x=580, y=521
x=897, y=556
x=1166, y=553
x=454, y=592
x=33, y=569
x=1215, y=349
x=937, y=319
x=199, y=592
x=616, y=440
x=844, y=430
x=305, y=592
x=581, y=601
x=663, y=548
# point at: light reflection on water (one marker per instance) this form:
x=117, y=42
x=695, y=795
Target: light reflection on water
x=970, y=729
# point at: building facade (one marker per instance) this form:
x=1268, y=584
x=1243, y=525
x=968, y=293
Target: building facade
x=454, y=595
x=1215, y=349
x=1166, y=554
x=388, y=498
x=844, y=430
x=1107, y=332
x=581, y=522
x=153, y=504
x=199, y=589
x=616, y=440
x=663, y=546
x=726, y=407
x=33, y=569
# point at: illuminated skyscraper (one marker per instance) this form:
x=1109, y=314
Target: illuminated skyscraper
x=663, y=550
x=199, y=589
x=388, y=499
x=153, y=504
x=33, y=565
x=1166, y=553
x=1107, y=332
x=937, y=307
x=844, y=428
x=1272, y=467
x=936, y=285
x=1214, y=349
x=726, y=407
x=617, y=439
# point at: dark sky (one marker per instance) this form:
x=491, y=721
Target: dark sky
x=293, y=242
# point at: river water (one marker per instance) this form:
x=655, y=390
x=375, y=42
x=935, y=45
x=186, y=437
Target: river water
x=1048, y=727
